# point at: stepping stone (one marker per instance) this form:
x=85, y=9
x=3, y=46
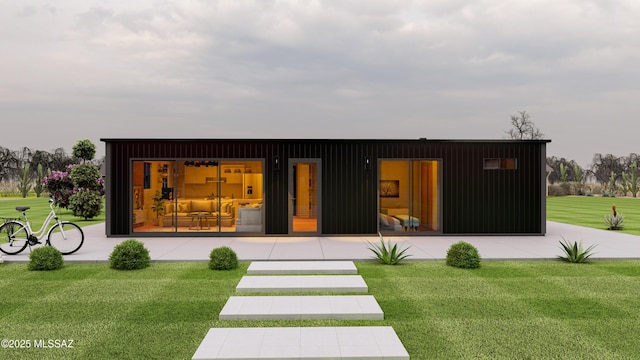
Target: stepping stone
x=357, y=342
x=301, y=283
x=342, y=307
x=302, y=267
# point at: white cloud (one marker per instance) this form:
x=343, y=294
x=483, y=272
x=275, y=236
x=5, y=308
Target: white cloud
x=449, y=68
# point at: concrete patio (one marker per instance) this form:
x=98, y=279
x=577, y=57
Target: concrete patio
x=610, y=245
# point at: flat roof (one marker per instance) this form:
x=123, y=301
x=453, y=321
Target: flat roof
x=323, y=140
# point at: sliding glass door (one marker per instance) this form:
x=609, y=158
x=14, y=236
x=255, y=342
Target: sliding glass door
x=200, y=195
x=409, y=196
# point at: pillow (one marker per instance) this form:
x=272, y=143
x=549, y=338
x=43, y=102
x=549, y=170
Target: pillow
x=384, y=219
x=184, y=206
x=201, y=205
x=225, y=207
x=168, y=208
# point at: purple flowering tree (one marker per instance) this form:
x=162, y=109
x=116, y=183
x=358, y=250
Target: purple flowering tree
x=60, y=186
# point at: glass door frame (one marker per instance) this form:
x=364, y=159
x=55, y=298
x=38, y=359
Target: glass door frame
x=411, y=193
x=318, y=194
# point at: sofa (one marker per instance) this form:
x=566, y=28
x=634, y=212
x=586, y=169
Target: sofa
x=184, y=210
x=249, y=218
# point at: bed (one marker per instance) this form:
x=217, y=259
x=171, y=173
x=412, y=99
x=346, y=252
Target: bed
x=408, y=223
x=389, y=223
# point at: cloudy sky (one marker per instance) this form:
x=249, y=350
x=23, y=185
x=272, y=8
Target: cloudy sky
x=441, y=69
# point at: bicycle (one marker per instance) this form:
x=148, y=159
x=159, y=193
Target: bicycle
x=15, y=235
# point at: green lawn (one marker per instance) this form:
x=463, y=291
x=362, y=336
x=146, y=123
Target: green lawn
x=528, y=310
x=590, y=211
x=39, y=211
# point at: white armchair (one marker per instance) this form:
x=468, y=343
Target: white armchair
x=249, y=219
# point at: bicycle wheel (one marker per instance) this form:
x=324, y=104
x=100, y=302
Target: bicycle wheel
x=13, y=237
x=66, y=237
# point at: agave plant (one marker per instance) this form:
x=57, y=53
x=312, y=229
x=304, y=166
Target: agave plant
x=387, y=253
x=614, y=220
x=575, y=253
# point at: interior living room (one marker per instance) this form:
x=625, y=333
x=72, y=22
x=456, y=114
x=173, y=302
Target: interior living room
x=197, y=196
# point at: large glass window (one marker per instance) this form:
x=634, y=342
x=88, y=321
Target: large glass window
x=409, y=196
x=200, y=195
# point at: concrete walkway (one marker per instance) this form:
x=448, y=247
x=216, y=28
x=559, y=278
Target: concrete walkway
x=611, y=245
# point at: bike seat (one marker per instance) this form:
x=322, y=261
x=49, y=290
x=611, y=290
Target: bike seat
x=23, y=208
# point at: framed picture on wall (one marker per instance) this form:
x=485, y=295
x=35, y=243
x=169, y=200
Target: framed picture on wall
x=138, y=198
x=390, y=188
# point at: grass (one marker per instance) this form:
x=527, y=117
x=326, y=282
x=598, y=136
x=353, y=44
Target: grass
x=590, y=211
x=39, y=211
x=504, y=310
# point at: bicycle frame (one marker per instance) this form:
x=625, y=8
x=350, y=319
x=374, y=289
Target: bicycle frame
x=43, y=231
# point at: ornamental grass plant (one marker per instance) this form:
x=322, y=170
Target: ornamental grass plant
x=575, y=253
x=614, y=220
x=388, y=254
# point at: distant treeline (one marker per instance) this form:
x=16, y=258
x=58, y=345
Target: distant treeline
x=12, y=162
x=600, y=170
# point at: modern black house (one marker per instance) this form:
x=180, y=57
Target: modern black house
x=300, y=187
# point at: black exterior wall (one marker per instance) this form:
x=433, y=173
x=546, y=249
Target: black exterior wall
x=473, y=200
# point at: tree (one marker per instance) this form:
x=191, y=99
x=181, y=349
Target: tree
x=60, y=186
x=88, y=189
x=522, y=128
x=603, y=165
x=578, y=174
x=563, y=173
x=39, y=187
x=85, y=150
x=631, y=181
x=24, y=183
x=558, y=174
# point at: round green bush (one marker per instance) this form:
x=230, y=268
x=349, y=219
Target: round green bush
x=45, y=258
x=463, y=255
x=223, y=258
x=129, y=255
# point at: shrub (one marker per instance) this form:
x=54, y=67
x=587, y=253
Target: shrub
x=223, y=258
x=463, y=255
x=45, y=258
x=614, y=220
x=85, y=203
x=387, y=254
x=557, y=190
x=59, y=186
x=575, y=253
x=86, y=176
x=129, y=255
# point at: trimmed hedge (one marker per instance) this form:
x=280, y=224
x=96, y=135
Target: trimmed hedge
x=129, y=255
x=45, y=258
x=463, y=255
x=223, y=258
